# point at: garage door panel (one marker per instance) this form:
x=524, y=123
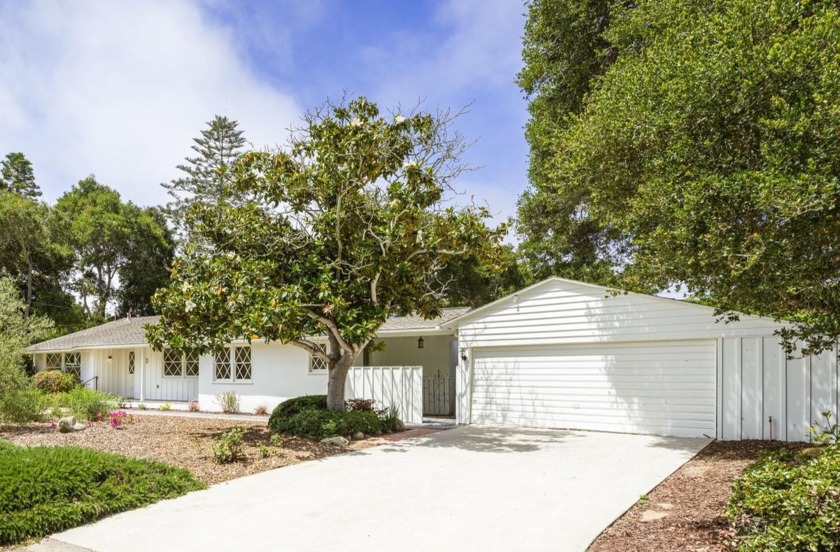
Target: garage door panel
x=665, y=388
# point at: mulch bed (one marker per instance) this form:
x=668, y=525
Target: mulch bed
x=685, y=512
x=186, y=442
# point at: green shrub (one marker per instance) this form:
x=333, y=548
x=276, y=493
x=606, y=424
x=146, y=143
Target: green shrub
x=318, y=424
x=298, y=405
x=228, y=447
x=23, y=405
x=391, y=420
x=54, y=381
x=86, y=404
x=49, y=489
x=788, y=501
x=265, y=451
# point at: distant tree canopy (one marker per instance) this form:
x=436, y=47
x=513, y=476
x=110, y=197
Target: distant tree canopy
x=122, y=252
x=690, y=143
x=205, y=175
x=17, y=176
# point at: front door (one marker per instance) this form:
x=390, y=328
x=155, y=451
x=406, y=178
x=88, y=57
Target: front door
x=131, y=366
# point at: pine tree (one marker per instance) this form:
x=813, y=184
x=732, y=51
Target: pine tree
x=205, y=175
x=16, y=175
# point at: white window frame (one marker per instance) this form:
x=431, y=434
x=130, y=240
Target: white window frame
x=232, y=366
x=183, y=362
x=63, y=364
x=318, y=365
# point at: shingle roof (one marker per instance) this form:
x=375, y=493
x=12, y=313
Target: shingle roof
x=125, y=332
x=407, y=323
x=120, y=332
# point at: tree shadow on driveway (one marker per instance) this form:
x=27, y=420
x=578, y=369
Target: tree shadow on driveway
x=485, y=439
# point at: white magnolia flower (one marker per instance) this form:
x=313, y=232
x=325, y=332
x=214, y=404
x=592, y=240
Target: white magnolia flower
x=356, y=122
x=399, y=119
x=189, y=305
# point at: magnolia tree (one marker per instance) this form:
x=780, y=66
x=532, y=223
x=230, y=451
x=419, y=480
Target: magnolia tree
x=350, y=224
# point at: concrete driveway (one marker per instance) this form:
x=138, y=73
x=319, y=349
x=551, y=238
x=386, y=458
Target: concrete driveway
x=470, y=488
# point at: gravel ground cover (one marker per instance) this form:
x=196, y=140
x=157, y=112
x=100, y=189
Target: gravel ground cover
x=685, y=512
x=186, y=442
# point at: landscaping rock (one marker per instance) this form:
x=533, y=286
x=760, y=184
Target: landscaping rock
x=399, y=426
x=337, y=441
x=358, y=436
x=652, y=515
x=78, y=426
x=66, y=425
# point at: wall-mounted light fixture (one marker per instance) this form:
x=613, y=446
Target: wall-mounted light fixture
x=420, y=343
x=110, y=358
x=464, y=355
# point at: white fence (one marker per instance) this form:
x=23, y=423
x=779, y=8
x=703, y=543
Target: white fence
x=400, y=386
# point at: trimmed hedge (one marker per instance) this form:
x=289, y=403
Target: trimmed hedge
x=788, y=501
x=318, y=424
x=48, y=489
x=299, y=404
x=54, y=381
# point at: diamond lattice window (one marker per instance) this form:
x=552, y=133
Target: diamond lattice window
x=316, y=363
x=171, y=363
x=73, y=364
x=191, y=364
x=53, y=361
x=221, y=365
x=131, y=362
x=243, y=363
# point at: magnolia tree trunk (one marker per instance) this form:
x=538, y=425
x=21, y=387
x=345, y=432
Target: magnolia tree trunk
x=337, y=382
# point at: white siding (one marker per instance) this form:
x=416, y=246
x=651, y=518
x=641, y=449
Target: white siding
x=663, y=388
x=158, y=387
x=793, y=392
x=559, y=312
x=754, y=381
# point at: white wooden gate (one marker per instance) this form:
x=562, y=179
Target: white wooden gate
x=399, y=386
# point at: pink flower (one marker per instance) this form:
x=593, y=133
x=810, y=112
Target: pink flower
x=53, y=425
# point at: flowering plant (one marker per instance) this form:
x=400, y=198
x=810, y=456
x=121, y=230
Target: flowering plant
x=120, y=418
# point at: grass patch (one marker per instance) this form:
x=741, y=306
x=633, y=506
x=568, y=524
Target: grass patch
x=44, y=490
x=788, y=500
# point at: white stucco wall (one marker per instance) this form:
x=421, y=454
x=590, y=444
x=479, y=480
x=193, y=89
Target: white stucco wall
x=279, y=372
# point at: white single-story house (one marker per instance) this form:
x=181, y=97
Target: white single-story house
x=418, y=360
x=557, y=354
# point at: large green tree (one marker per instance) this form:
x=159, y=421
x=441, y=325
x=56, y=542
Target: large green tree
x=114, y=242
x=329, y=238
x=33, y=253
x=710, y=147
x=205, y=175
x=564, y=51
x=17, y=175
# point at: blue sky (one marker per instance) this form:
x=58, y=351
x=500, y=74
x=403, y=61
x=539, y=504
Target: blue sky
x=118, y=89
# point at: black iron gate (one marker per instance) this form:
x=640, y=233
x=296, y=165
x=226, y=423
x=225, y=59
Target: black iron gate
x=437, y=395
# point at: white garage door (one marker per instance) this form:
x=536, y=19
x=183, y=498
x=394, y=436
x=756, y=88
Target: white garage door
x=662, y=388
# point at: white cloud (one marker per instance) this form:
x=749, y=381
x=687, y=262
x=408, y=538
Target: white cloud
x=119, y=89
x=472, y=57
